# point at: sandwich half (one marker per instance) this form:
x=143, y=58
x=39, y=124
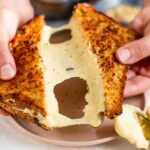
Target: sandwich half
x=134, y=125
x=46, y=57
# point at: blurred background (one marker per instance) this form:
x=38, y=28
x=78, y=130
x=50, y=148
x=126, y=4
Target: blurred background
x=57, y=12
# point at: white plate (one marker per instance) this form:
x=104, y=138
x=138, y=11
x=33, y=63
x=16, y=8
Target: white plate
x=81, y=135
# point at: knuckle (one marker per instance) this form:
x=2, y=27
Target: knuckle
x=145, y=17
x=142, y=49
x=26, y=12
x=4, y=34
x=147, y=30
x=135, y=87
x=137, y=51
x=4, y=54
x=7, y=17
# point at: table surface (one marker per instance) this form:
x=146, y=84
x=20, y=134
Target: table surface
x=13, y=138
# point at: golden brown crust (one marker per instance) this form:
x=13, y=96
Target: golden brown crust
x=105, y=37
x=27, y=87
x=13, y=111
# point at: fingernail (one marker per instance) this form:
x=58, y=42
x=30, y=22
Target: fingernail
x=6, y=72
x=124, y=55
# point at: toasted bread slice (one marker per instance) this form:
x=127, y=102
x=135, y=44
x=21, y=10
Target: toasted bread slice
x=44, y=61
x=105, y=37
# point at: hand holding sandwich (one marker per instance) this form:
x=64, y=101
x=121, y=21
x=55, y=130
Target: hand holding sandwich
x=138, y=51
x=12, y=15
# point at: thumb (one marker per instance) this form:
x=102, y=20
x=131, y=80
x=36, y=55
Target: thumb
x=134, y=51
x=7, y=63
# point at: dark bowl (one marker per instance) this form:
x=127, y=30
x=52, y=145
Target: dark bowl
x=55, y=9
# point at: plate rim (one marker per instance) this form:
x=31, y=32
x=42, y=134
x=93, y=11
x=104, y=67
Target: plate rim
x=61, y=142
x=75, y=143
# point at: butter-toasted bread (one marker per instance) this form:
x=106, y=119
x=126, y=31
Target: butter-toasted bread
x=105, y=37
x=26, y=89
x=41, y=64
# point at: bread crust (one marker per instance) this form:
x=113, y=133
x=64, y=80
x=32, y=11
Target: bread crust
x=15, y=112
x=27, y=87
x=105, y=36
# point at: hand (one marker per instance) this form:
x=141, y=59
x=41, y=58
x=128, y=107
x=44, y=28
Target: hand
x=138, y=79
x=13, y=13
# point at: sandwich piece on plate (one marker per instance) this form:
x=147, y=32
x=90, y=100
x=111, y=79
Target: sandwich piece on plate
x=134, y=125
x=46, y=57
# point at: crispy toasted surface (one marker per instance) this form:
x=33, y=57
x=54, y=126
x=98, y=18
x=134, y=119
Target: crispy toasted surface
x=15, y=112
x=26, y=89
x=103, y=34
x=105, y=37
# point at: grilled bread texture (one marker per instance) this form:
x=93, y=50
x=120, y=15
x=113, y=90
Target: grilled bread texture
x=26, y=90
x=105, y=36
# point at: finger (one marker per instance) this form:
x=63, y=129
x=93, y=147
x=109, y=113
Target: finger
x=147, y=29
x=131, y=74
x=4, y=113
x=134, y=51
x=136, y=86
x=136, y=25
x=26, y=11
x=141, y=20
x=142, y=67
x=146, y=3
x=144, y=71
x=7, y=63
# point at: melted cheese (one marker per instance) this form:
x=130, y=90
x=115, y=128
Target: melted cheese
x=127, y=126
x=74, y=53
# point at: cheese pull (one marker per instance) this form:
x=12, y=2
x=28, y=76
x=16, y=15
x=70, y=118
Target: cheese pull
x=134, y=126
